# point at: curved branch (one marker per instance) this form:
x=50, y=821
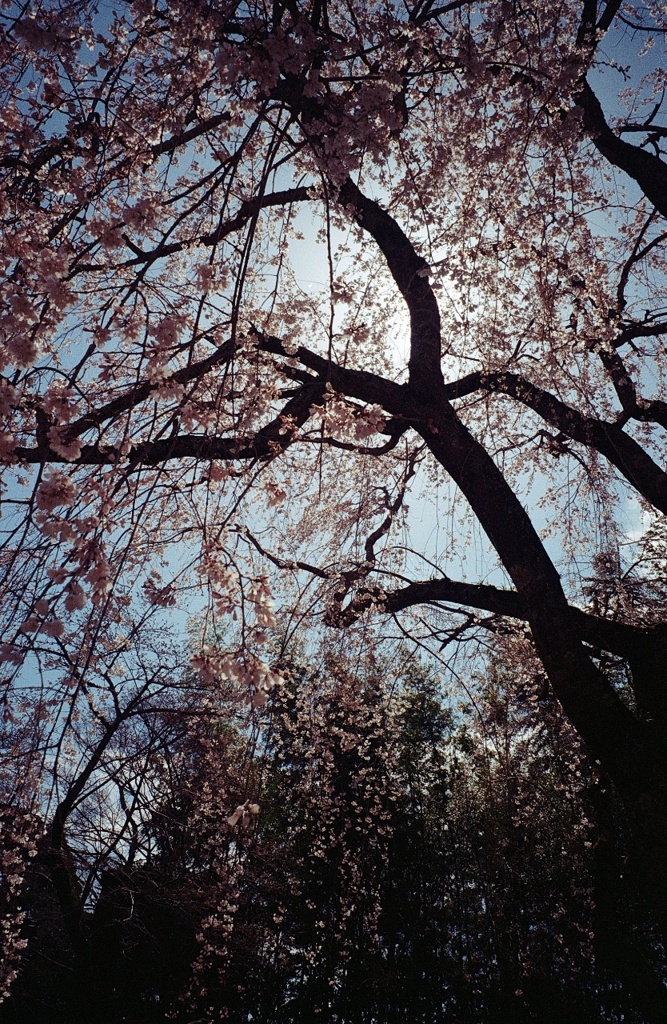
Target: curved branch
x=131, y=399
x=410, y=273
x=616, y=637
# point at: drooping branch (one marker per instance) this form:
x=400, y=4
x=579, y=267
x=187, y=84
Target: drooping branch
x=609, y=439
x=616, y=637
x=643, y=647
x=359, y=573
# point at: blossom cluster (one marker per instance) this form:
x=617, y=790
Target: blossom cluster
x=19, y=835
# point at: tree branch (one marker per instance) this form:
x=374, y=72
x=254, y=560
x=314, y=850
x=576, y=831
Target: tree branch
x=139, y=394
x=643, y=647
x=607, y=438
x=410, y=272
x=249, y=209
x=647, y=170
x=267, y=443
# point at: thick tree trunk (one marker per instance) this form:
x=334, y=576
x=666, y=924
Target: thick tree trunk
x=631, y=750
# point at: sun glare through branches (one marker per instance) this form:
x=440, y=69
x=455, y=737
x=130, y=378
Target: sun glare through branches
x=330, y=326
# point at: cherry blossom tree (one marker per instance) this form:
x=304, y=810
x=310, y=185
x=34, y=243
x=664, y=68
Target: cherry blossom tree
x=278, y=275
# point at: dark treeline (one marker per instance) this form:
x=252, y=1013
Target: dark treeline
x=369, y=852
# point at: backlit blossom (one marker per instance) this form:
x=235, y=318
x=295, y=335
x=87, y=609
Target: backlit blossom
x=58, y=490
